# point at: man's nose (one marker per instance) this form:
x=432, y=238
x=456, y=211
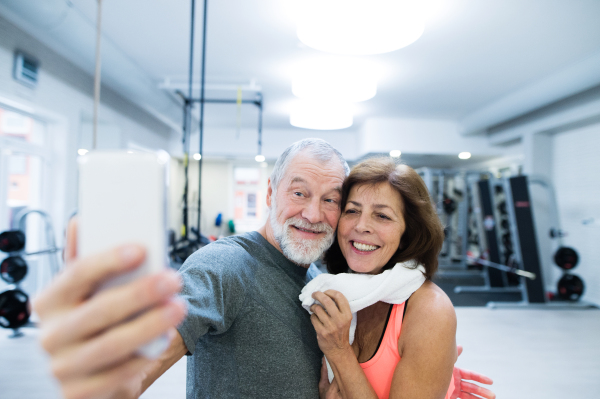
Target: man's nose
x=313, y=213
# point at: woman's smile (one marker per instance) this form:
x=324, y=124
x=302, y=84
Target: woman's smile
x=361, y=247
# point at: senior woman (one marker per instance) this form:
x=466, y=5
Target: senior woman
x=404, y=350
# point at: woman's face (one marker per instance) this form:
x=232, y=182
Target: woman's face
x=371, y=226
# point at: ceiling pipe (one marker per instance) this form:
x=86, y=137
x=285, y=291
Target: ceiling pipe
x=567, y=82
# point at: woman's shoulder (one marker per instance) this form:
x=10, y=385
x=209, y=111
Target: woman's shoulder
x=431, y=300
x=429, y=315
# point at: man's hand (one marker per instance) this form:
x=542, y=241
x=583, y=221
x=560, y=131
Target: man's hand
x=92, y=338
x=467, y=390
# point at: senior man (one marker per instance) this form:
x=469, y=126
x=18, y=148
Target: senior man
x=245, y=330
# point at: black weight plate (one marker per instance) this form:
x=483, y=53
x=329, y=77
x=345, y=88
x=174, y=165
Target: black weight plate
x=14, y=309
x=12, y=241
x=570, y=287
x=13, y=269
x=566, y=258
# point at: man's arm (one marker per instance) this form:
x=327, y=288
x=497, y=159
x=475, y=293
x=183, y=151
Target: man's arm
x=92, y=338
x=172, y=355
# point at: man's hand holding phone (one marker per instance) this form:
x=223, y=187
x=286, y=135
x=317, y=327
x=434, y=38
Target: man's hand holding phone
x=93, y=340
x=114, y=300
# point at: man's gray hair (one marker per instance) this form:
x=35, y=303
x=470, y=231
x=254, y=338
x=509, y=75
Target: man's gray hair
x=318, y=148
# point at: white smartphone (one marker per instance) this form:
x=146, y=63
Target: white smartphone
x=123, y=199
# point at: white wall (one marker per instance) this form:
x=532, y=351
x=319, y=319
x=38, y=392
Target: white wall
x=217, y=193
x=63, y=101
x=64, y=98
x=576, y=176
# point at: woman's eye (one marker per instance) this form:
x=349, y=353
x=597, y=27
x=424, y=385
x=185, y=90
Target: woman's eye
x=298, y=194
x=382, y=216
x=350, y=210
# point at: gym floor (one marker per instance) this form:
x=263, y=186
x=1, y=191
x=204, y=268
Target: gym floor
x=530, y=353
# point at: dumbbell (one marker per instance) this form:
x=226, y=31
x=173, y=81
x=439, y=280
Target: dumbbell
x=14, y=309
x=12, y=241
x=570, y=287
x=13, y=269
x=566, y=258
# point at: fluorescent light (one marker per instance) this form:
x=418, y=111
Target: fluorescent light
x=360, y=27
x=82, y=151
x=395, y=153
x=197, y=156
x=321, y=116
x=259, y=158
x=464, y=155
x=334, y=79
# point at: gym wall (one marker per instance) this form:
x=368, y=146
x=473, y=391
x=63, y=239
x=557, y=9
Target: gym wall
x=63, y=99
x=576, y=171
x=217, y=192
x=65, y=93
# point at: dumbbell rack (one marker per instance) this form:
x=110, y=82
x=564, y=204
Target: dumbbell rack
x=14, y=302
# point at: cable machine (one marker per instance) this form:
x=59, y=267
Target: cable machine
x=185, y=246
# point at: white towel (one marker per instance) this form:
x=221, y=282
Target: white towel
x=393, y=286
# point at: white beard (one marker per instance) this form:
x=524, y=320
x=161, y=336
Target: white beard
x=302, y=252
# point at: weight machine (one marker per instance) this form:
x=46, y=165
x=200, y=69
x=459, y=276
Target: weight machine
x=15, y=309
x=451, y=204
x=520, y=253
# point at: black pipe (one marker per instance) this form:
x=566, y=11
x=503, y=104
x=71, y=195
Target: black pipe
x=188, y=124
x=202, y=78
x=260, y=109
x=258, y=102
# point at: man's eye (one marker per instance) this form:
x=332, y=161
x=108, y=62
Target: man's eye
x=298, y=194
x=332, y=201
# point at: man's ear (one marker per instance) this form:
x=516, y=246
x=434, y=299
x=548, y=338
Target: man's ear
x=269, y=192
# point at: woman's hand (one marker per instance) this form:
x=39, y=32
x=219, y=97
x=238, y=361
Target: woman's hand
x=331, y=320
x=328, y=390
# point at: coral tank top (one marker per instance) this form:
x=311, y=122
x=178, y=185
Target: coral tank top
x=380, y=368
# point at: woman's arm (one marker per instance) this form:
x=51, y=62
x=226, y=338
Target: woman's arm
x=332, y=324
x=427, y=346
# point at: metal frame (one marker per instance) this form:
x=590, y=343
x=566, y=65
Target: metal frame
x=189, y=102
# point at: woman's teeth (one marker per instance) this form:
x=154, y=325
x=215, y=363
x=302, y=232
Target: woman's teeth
x=364, y=247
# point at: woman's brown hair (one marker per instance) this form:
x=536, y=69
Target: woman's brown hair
x=424, y=235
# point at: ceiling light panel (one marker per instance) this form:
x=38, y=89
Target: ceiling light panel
x=360, y=27
x=321, y=116
x=335, y=79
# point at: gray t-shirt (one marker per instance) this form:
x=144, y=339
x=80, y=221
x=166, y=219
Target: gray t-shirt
x=246, y=330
